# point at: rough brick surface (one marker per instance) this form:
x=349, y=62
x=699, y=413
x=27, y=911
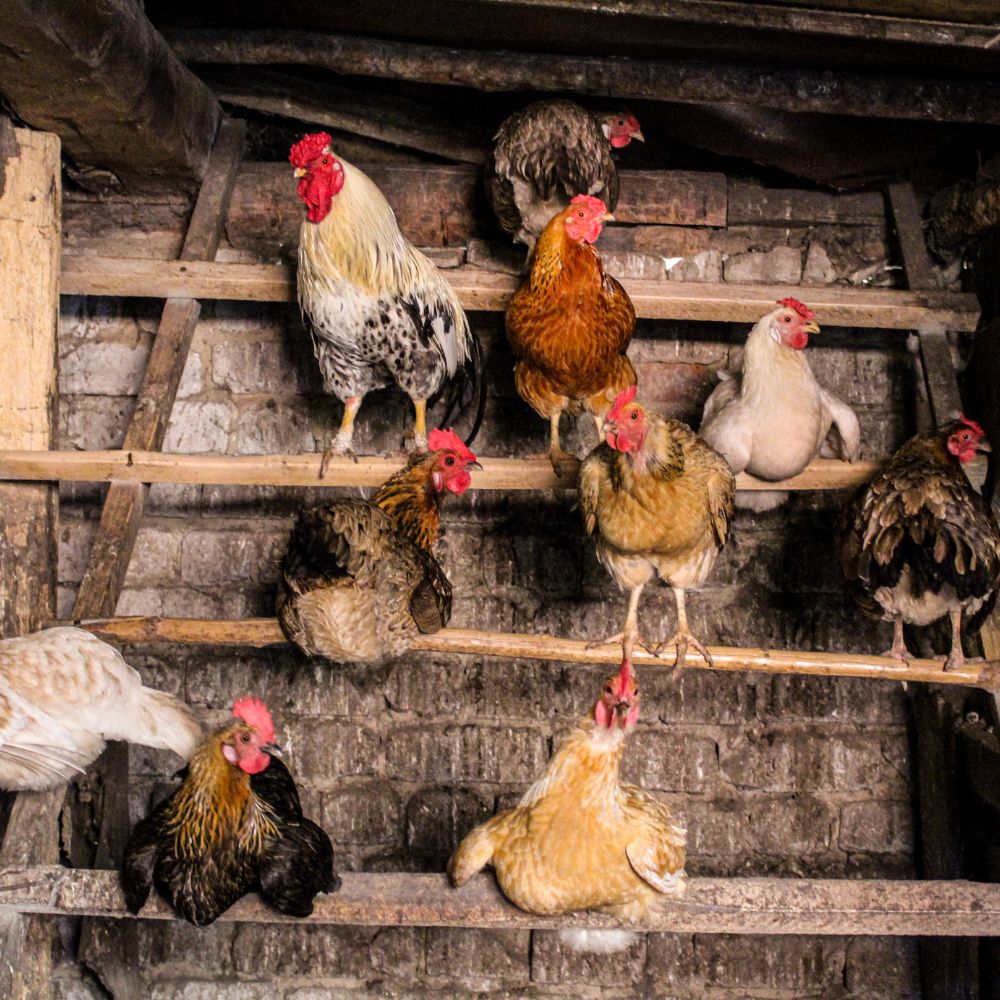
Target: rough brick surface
x=773, y=775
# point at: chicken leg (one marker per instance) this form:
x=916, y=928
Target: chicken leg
x=684, y=636
x=420, y=425
x=898, y=650
x=341, y=444
x=956, y=658
x=629, y=635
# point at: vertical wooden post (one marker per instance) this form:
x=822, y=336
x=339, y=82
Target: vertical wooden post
x=30, y=219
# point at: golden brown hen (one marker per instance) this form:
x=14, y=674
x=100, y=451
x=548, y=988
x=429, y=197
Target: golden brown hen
x=360, y=581
x=570, y=323
x=918, y=542
x=580, y=839
x=659, y=502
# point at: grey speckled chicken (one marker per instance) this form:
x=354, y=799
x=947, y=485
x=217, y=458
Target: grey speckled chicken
x=359, y=581
x=544, y=155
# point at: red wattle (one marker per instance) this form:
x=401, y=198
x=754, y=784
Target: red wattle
x=255, y=764
x=601, y=714
x=798, y=340
x=618, y=141
x=459, y=482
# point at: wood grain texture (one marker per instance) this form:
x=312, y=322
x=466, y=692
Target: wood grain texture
x=488, y=291
x=711, y=906
x=303, y=470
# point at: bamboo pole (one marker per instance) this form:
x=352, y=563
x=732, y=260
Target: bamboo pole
x=303, y=470
x=710, y=906
x=263, y=632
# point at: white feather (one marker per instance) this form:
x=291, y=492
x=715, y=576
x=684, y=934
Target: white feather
x=598, y=942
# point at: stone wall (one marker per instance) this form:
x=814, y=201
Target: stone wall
x=773, y=775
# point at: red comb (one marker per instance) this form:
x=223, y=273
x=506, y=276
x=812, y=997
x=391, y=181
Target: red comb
x=308, y=148
x=448, y=440
x=621, y=401
x=801, y=308
x=590, y=201
x=254, y=713
x=625, y=674
x=972, y=425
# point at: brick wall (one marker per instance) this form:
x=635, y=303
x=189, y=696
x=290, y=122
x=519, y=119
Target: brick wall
x=773, y=775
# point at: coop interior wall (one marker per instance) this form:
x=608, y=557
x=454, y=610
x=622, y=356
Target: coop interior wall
x=773, y=775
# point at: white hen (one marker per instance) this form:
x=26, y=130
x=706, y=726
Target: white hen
x=773, y=418
x=63, y=692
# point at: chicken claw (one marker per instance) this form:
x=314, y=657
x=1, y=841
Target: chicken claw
x=681, y=640
x=898, y=650
x=652, y=648
x=336, y=450
x=563, y=463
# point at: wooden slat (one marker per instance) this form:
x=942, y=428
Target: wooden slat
x=710, y=906
x=263, y=632
x=303, y=470
x=488, y=291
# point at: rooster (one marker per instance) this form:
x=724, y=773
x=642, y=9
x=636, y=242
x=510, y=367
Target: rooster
x=63, y=692
x=234, y=826
x=579, y=839
x=918, y=542
x=659, y=502
x=545, y=154
x=773, y=418
x=360, y=581
x=378, y=310
x=570, y=323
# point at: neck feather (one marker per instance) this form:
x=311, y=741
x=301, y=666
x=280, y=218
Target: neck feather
x=409, y=498
x=767, y=364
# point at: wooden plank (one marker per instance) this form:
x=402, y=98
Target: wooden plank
x=30, y=213
x=101, y=77
x=920, y=273
x=882, y=309
x=303, y=470
x=753, y=205
x=798, y=89
x=710, y=906
x=263, y=632
x=672, y=197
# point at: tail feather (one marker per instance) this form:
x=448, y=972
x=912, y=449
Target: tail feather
x=598, y=942
x=460, y=401
x=760, y=501
x=161, y=721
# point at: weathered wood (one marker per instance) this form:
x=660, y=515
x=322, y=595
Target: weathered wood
x=710, y=906
x=30, y=214
x=834, y=305
x=939, y=374
x=909, y=223
x=101, y=77
x=799, y=89
x=262, y=632
x=303, y=470
x=750, y=204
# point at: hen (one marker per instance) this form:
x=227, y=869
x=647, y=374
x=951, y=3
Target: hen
x=773, y=418
x=360, y=581
x=569, y=324
x=918, y=543
x=545, y=154
x=234, y=826
x=378, y=310
x=580, y=839
x=63, y=692
x=659, y=502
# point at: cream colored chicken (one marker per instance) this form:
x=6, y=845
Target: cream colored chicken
x=580, y=839
x=773, y=418
x=63, y=692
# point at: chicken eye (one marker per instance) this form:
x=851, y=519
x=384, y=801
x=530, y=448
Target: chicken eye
x=621, y=121
x=581, y=214
x=325, y=160
x=607, y=689
x=786, y=319
x=635, y=415
x=244, y=737
x=449, y=460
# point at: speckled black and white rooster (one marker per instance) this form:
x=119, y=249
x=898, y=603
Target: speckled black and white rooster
x=378, y=310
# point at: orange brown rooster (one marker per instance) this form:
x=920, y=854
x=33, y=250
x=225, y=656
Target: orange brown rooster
x=918, y=542
x=659, y=503
x=379, y=312
x=580, y=839
x=234, y=826
x=569, y=323
x=360, y=581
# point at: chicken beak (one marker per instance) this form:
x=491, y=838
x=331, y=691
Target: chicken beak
x=811, y=327
x=638, y=136
x=984, y=445
x=272, y=749
x=475, y=465
x=607, y=217
x=299, y=172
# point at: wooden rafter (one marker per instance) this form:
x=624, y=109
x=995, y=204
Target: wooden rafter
x=264, y=632
x=710, y=906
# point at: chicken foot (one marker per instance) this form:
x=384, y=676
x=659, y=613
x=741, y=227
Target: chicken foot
x=420, y=425
x=956, y=658
x=898, y=650
x=341, y=444
x=629, y=636
x=684, y=637
x=563, y=463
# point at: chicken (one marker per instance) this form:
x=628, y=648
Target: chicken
x=773, y=418
x=918, y=543
x=234, y=826
x=659, y=502
x=580, y=839
x=359, y=581
x=378, y=310
x=63, y=692
x=545, y=154
x=570, y=323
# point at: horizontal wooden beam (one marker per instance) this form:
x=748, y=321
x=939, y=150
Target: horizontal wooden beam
x=262, y=632
x=303, y=470
x=710, y=906
x=795, y=89
x=490, y=292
